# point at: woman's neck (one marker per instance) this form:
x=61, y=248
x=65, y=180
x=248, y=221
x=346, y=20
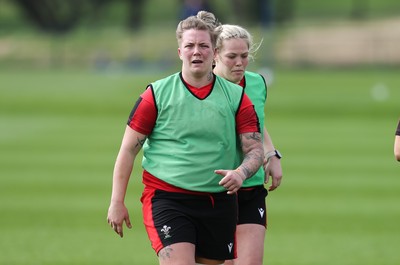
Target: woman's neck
x=198, y=82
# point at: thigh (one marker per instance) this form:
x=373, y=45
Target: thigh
x=177, y=254
x=250, y=238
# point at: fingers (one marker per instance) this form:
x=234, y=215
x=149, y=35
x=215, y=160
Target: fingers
x=233, y=191
x=221, y=172
x=266, y=176
x=275, y=183
x=273, y=171
x=117, y=227
x=118, y=230
x=232, y=180
x=272, y=187
x=128, y=222
x=267, y=172
x=228, y=184
x=231, y=187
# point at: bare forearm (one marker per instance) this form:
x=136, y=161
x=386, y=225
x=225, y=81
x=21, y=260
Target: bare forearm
x=397, y=147
x=122, y=171
x=267, y=142
x=131, y=144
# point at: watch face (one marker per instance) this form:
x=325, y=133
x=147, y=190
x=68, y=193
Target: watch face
x=278, y=154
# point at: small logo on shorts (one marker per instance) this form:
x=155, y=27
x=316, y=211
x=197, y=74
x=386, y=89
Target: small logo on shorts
x=230, y=246
x=166, y=230
x=261, y=211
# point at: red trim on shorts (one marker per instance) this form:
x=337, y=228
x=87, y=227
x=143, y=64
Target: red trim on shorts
x=247, y=188
x=148, y=221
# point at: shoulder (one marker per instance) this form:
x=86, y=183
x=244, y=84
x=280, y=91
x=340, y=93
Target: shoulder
x=160, y=84
x=254, y=76
x=167, y=79
x=225, y=83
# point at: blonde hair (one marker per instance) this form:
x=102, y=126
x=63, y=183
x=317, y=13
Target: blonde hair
x=202, y=21
x=228, y=32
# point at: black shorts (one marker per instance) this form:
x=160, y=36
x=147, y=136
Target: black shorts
x=208, y=221
x=252, y=206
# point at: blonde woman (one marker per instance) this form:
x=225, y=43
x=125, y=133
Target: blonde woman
x=234, y=49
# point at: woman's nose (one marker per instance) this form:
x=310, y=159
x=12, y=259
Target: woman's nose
x=196, y=50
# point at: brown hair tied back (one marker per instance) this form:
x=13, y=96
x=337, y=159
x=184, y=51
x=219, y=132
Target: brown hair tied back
x=202, y=21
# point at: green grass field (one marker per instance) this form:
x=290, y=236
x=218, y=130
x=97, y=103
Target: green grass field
x=61, y=131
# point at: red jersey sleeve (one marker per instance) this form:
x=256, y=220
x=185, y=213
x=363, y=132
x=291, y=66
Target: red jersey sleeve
x=246, y=118
x=144, y=114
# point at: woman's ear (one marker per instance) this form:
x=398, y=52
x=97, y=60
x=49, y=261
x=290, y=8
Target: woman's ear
x=179, y=53
x=215, y=54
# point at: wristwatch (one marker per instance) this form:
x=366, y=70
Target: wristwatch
x=273, y=153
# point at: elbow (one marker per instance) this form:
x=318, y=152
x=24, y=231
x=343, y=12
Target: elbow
x=397, y=153
x=397, y=148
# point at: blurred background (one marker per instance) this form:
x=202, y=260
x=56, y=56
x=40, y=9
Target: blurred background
x=139, y=34
x=71, y=71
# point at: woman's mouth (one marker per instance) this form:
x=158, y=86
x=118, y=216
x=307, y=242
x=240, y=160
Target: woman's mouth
x=197, y=61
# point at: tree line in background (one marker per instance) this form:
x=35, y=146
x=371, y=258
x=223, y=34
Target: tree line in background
x=63, y=15
x=60, y=16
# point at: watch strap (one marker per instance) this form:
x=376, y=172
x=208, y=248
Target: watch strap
x=273, y=153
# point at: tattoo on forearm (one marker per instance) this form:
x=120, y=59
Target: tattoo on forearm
x=246, y=171
x=252, y=162
x=254, y=158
